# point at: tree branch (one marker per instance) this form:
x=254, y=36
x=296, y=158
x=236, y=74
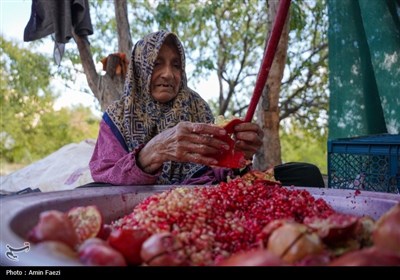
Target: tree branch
x=124, y=32
x=88, y=64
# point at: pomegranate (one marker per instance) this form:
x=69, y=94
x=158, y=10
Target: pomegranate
x=87, y=221
x=129, y=242
x=215, y=222
x=257, y=257
x=372, y=256
x=321, y=259
x=256, y=175
x=270, y=228
x=56, y=249
x=54, y=225
x=96, y=252
x=91, y=241
x=293, y=241
x=104, y=232
x=335, y=228
x=363, y=231
x=231, y=158
x=163, y=249
x=386, y=234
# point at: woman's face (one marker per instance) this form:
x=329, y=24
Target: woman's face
x=167, y=74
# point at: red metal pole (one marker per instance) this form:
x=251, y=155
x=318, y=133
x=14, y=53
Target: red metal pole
x=268, y=58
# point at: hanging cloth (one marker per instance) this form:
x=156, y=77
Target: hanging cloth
x=59, y=18
x=364, y=63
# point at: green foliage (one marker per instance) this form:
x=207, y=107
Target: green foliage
x=299, y=144
x=29, y=126
x=226, y=39
x=223, y=38
x=64, y=127
x=304, y=91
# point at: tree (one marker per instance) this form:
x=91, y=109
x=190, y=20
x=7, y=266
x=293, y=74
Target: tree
x=301, y=100
x=30, y=128
x=268, y=111
x=302, y=145
x=26, y=95
x=228, y=39
x=304, y=95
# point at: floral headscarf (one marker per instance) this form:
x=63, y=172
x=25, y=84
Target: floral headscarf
x=137, y=117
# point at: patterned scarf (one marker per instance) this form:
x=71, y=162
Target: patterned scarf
x=137, y=117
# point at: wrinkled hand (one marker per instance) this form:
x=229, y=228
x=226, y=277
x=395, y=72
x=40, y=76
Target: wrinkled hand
x=249, y=137
x=189, y=142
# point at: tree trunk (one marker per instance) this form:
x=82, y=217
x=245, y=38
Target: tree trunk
x=123, y=28
x=109, y=87
x=87, y=63
x=268, y=113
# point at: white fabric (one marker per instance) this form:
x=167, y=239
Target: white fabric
x=64, y=169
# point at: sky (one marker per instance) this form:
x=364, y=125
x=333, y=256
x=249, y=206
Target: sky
x=14, y=16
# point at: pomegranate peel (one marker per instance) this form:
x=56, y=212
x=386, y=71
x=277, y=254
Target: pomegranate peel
x=334, y=228
x=231, y=158
x=129, y=242
x=163, y=249
x=386, y=234
x=54, y=225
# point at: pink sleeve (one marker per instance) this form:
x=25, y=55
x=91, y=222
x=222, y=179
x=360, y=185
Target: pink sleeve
x=110, y=163
x=212, y=176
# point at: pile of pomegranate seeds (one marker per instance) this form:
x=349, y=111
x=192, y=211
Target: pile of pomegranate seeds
x=216, y=221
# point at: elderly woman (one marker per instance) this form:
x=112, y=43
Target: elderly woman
x=161, y=131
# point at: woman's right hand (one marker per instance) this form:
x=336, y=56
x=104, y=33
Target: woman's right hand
x=185, y=142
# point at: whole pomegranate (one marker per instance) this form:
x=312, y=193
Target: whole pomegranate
x=129, y=242
x=386, y=234
x=97, y=252
x=372, y=256
x=54, y=225
x=259, y=257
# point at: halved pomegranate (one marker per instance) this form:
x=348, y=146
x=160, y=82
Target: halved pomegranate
x=86, y=220
x=335, y=228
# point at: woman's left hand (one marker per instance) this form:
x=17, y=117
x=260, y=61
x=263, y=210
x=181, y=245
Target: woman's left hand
x=248, y=137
